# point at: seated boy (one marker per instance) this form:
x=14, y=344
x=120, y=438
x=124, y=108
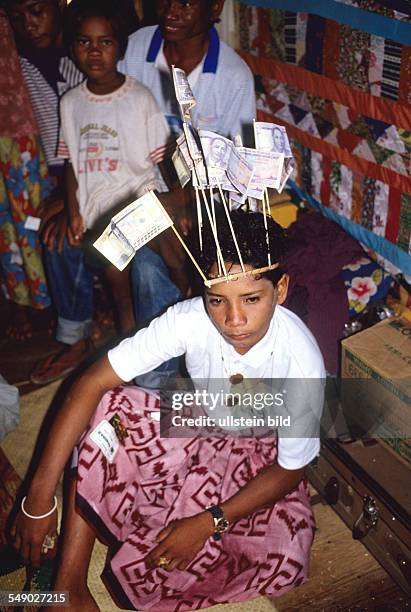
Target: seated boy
x=149, y=496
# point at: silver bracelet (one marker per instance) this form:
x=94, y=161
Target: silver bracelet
x=41, y=516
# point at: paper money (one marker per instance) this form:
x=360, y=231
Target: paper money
x=271, y=137
x=183, y=92
x=115, y=247
x=192, y=144
x=132, y=228
x=199, y=175
x=267, y=166
x=181, y=168
x=239, y=171
x=216, y=149
x=236, y=199
x=288, y=167
x=182, y=145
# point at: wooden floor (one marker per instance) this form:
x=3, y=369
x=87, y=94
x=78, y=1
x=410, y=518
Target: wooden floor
x=344, y=575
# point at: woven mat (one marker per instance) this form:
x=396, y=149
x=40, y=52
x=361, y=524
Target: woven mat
x=34, y=407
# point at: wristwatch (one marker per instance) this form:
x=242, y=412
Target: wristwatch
x=220, y=522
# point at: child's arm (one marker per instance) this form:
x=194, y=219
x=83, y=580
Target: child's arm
x=71, y=421
x=75, y=228
x=168, y=246
x=183, y=539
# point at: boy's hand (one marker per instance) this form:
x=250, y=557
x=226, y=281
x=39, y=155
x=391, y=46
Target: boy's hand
x=54, y=232
x=177, y=204
x=180, y=541
x=50, y=208
x=29, y=534
x=75, y=230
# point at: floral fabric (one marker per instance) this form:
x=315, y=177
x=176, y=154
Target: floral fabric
x=366, y=282
x=24, y=184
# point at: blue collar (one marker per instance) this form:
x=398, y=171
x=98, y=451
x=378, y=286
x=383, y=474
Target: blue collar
x=211, y=59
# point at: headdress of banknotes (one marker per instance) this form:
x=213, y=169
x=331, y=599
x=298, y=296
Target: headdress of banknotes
x=235, y=173
x=236, y=176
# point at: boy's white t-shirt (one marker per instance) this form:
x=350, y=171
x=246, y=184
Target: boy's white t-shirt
x=113, y=142
x=287, y=351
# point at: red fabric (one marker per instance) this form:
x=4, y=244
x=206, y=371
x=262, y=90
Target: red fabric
x=361, y=102
x=16, y=115
x=393, y=217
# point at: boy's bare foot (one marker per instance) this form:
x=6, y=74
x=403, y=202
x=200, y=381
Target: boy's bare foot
x=20, y=327
x=62, y=363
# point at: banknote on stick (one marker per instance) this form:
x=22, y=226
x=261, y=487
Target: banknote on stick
x=183, y=92
x=132, y=228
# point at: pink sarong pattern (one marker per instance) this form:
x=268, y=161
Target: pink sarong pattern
x=153, y=481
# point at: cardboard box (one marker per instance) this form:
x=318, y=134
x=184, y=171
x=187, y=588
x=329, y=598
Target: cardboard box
x=376, y=384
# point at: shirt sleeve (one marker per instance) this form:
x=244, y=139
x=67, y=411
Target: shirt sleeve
x=299, y=435
x=163, y=339
x=296, y=453
x=62, y=146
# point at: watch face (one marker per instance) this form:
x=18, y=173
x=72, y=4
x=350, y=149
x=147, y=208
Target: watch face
x=221, y=525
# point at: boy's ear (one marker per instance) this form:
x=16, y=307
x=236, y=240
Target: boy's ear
x=282, y=288
x=216, y=8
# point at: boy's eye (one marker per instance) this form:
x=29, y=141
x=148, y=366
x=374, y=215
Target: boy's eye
x=107, y=42
x=215, y=301
x=36, y=11
x=83, y=42
x=253, y=299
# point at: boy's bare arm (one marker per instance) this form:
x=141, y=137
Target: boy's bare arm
x=56, y=223
x=169, y=247
x=178, y=205
x=71, y=421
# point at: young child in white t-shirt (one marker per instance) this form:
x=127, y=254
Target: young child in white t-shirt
x=112, y=134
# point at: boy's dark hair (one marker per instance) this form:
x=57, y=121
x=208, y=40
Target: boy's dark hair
x=114, y=12
x=249, y=229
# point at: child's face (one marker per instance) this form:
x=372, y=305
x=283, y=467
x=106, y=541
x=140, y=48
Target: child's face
x=184, y=19
x=242, y=309
x=37, y=23
x=96, y=50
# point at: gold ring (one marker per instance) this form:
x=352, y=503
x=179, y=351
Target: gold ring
x=49, y=543
x=163, y=562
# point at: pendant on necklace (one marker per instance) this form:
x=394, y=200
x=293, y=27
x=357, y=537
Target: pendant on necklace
x=236, y=379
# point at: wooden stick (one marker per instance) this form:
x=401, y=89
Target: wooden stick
x=231, y=227
x=267, y=239
x=199, y=220
x=231, y=277
x=214, y=230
